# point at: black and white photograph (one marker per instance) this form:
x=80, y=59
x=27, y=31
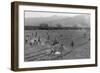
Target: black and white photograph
x=53, y=36
x=56, y=36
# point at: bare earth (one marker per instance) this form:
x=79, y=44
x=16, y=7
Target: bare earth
x=76, y=45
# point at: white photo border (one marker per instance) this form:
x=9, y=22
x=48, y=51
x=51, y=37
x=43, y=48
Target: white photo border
x=33, y=64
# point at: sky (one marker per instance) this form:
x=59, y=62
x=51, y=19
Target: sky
x=30, y=14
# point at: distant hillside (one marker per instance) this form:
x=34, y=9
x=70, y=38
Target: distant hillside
x=76, y=21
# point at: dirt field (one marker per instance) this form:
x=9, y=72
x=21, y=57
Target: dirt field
x=76, y=44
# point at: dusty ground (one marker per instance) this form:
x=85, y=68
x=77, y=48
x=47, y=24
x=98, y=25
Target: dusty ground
x=80, y=49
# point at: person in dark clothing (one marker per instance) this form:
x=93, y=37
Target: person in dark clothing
x=39, y=41
x=72, y=44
